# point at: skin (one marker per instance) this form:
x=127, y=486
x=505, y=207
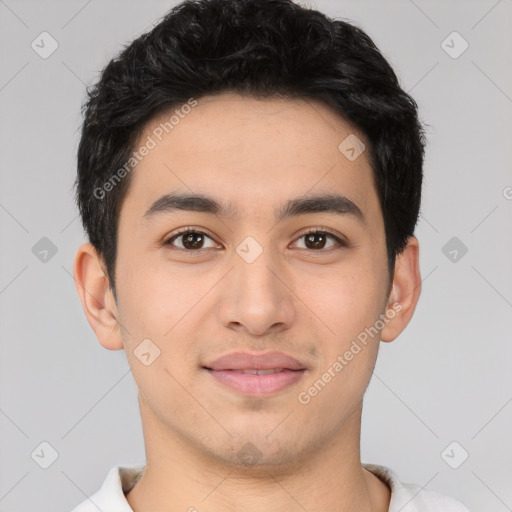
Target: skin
x=309, y=303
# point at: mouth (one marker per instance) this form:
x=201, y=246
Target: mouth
x=259, y=371
x=256, y=374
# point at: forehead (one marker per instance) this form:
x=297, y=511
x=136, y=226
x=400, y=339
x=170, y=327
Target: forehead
x=255, y=153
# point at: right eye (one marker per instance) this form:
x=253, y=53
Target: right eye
x=192, y=240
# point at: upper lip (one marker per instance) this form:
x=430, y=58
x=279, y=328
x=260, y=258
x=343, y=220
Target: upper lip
x=255, y=361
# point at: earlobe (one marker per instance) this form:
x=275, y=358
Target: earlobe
x=405, y=291
x=96, y=297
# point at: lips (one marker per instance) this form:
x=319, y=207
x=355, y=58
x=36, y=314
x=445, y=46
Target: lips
x=254, y=374
x=242, y=361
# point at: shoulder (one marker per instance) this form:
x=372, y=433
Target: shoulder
x=407, y=497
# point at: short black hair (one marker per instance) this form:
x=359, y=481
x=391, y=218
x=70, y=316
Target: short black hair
x=258, y=48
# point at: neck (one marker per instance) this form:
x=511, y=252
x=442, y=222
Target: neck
x=180, y=476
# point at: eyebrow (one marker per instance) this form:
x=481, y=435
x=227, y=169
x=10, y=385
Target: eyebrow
x=324, y=203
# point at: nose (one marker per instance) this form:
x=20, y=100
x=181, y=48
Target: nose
x=257, y=297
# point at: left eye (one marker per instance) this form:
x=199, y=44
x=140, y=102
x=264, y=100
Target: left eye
x=193, y=240
x=317, y=239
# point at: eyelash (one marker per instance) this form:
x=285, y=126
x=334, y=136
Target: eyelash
x=319, y=231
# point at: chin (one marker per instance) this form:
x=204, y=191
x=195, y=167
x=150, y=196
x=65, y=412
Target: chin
x=256, y=452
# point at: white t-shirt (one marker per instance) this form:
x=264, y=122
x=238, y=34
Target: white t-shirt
x=404, y=497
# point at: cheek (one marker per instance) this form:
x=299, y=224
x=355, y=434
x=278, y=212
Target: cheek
x=348, y=306
x=155, y=305
x=349, y=300
x=154, y=296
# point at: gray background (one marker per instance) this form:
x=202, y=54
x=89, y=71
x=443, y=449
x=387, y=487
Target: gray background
x=447, y=378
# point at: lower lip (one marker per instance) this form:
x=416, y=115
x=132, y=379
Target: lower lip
x=257, y=385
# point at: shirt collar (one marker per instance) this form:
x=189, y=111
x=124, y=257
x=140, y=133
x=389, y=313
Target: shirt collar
x=404, y=497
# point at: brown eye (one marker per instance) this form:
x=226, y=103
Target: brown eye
x=317, y=240
x=192, y=240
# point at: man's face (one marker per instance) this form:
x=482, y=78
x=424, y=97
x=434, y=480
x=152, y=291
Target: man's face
x=249, y=282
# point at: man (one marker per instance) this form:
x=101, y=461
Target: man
x=249, y=177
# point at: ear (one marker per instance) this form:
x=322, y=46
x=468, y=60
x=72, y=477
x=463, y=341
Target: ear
x=97, y=299
x=405, y=291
